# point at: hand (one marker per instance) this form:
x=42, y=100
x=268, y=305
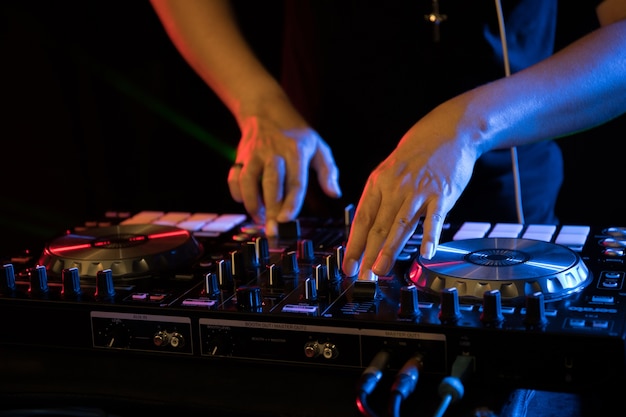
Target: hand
x=422, y=178
x=273, y=158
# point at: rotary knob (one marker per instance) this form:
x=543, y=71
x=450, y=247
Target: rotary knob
x=305, y=250
x=262, y=250
x=38, y=281
x=320, y=275
x=249, y=298
x=409, y=304
x=290, y=265
x=310, y=290
x=449, y=312
x=275, y=277
x=535, y=311
x=7, y=278
x=492, y=308
x=71, y=283
x=105, y=287
x=225, y=274
x=211, y=285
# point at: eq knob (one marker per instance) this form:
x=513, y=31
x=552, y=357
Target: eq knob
x=275, y=277
x=238, y=266
x=305, y=250
x=211, y=285
x=449, y=312
x=249, y=298
x=250, y=255
x=7, y=278
x=290, y=265
x=535, y=311
x=39, y=281
x=105, y=287
x=333, y=267
x=409, y=304
x=225, y=274
x=263, y=250
x=71, y=283
x=320, y=275
x=492, y=308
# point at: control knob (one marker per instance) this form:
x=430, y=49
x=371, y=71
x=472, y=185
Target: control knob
x=409, y=304
x=71, y=283
x=492, y=308
x=449, y=312
x=38, y=281
x=249, y=298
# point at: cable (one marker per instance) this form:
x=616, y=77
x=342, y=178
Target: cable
x=404, y=384
x=451, y=388
x=507, y=72
x=368, y=381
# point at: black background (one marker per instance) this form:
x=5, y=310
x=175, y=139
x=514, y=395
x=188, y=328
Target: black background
x=101, y=113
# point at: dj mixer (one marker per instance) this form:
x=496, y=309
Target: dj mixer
x=522, y=306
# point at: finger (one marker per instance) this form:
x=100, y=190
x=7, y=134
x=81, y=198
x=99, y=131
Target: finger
x=389, y=223
x=233, y=181
x=324, y=165
x=364, y=217
x=402, y=227
x=273, y=184
x=296, y=179
x=433, y=224
x=249, y=188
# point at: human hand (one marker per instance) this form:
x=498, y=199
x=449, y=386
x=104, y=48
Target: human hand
x=270, y=176
x=422, y=178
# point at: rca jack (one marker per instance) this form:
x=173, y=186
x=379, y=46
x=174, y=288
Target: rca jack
x=314, y=349
x=164, y=338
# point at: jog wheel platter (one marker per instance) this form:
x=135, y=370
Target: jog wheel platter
x=515, y=267
x=127, y=250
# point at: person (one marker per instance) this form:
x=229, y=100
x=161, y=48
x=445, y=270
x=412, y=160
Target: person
x=433, y=114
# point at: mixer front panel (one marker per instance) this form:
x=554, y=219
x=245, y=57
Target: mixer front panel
x=529, y=310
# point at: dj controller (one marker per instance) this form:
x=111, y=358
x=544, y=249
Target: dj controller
x=531, y=306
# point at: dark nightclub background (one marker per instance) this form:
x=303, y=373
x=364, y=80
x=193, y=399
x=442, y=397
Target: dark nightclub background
x=101, y=113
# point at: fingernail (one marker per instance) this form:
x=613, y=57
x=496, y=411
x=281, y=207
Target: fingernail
x=350, y=267
x=336, y=189
x=367, y=275
x=271, y=228
x=382, y=265
x=428, y=250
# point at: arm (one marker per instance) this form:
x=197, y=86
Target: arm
x=276, y=143
x=580, y=87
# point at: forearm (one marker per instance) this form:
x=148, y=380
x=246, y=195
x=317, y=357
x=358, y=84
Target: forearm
x=206, y=35
x=580, y=87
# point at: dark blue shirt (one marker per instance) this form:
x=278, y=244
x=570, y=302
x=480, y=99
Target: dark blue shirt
x=363, y=72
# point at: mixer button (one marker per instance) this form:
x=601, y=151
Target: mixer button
x=510, y=230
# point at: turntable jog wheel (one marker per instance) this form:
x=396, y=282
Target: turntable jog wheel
x=515, y=267
x=128, y=250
